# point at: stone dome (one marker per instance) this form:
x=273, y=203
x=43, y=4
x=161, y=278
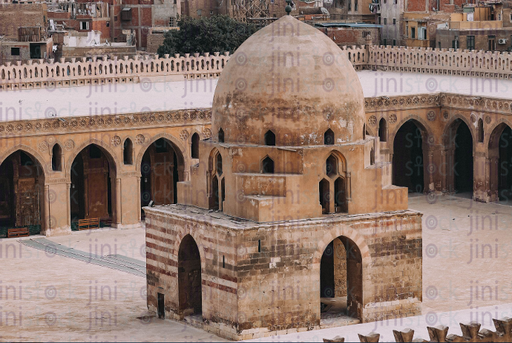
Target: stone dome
x=292, y=79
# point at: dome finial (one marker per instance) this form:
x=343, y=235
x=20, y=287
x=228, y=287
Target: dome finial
x=288, y=7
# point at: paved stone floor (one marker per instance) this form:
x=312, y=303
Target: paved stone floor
x=50, y=296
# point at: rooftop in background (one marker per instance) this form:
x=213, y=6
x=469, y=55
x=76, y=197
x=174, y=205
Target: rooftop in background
x=352, y=25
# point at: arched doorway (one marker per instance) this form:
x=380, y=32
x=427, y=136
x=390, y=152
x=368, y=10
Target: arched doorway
x=408, y=162
x=93, y=182
x=341, y=280
x=500, y=155
x=189, y=278
x=459, y=158
x=21, y=193
x=161, y=169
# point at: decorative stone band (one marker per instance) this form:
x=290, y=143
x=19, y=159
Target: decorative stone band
x=203, y=116
x=106, y=122
x=446, y=100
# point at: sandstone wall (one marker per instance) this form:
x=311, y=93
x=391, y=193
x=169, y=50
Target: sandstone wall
x=270, y=278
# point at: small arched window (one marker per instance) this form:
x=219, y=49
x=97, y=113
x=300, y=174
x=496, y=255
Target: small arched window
x=270, y=138
x=267, y=166
x=57, y=158
x=331, y=166
x=480, y=131
x=221, y=136
x=329, y=137
x=372, y=156
x=364, y=131
x=383, y=130
x=128, y=151
x=323, y=190
x=194, y=148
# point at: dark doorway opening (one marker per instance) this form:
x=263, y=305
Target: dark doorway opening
x=341, y=281
x=160, y=170
x=21, y=193
x=189, y=278
x=408, y=169
x=35, y=51
x=161, y=306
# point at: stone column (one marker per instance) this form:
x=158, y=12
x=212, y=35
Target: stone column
x=480, y=184
x=119, y=214
x=128, y=200
x=492, y=179
x=46, y=212
x=139, y=205
x=349, y=187
x=57, y=203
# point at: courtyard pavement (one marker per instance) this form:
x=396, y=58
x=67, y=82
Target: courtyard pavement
x=87, y=286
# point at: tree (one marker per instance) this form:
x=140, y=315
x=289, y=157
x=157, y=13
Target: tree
x=213, y=34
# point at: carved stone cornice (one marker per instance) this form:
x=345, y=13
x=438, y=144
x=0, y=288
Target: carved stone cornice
x=396, y=103
x=444, y=100
x=142, y=120
x=477, y=103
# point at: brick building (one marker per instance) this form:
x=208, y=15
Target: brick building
x=481, y=27
x=351, y=33
x=81, y=17
x=140, y=16
x=116, y=20
x=23, y=33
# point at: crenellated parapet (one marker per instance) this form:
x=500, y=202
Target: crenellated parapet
x=470, y=333
x=100, y=70
x=479, y=63
x=104, y=70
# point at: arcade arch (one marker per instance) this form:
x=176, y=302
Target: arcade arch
x=408, y=156
x=161, y=169
x=189, y=278
x=341, y=280
x=21, y=192
x=93, y=183
x=458, y=141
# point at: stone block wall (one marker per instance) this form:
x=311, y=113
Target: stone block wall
x=262, y=278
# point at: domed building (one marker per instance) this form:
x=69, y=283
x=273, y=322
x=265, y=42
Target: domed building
x=289, y=220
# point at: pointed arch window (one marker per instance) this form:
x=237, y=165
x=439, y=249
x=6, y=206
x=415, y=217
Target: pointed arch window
x=270, y=138
x=221, y=136
x=57, y=158
x=128, y=151
x=480, y=130
x=383, y=130
x=194, y=146
x=329, y=137
x=267, y=166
